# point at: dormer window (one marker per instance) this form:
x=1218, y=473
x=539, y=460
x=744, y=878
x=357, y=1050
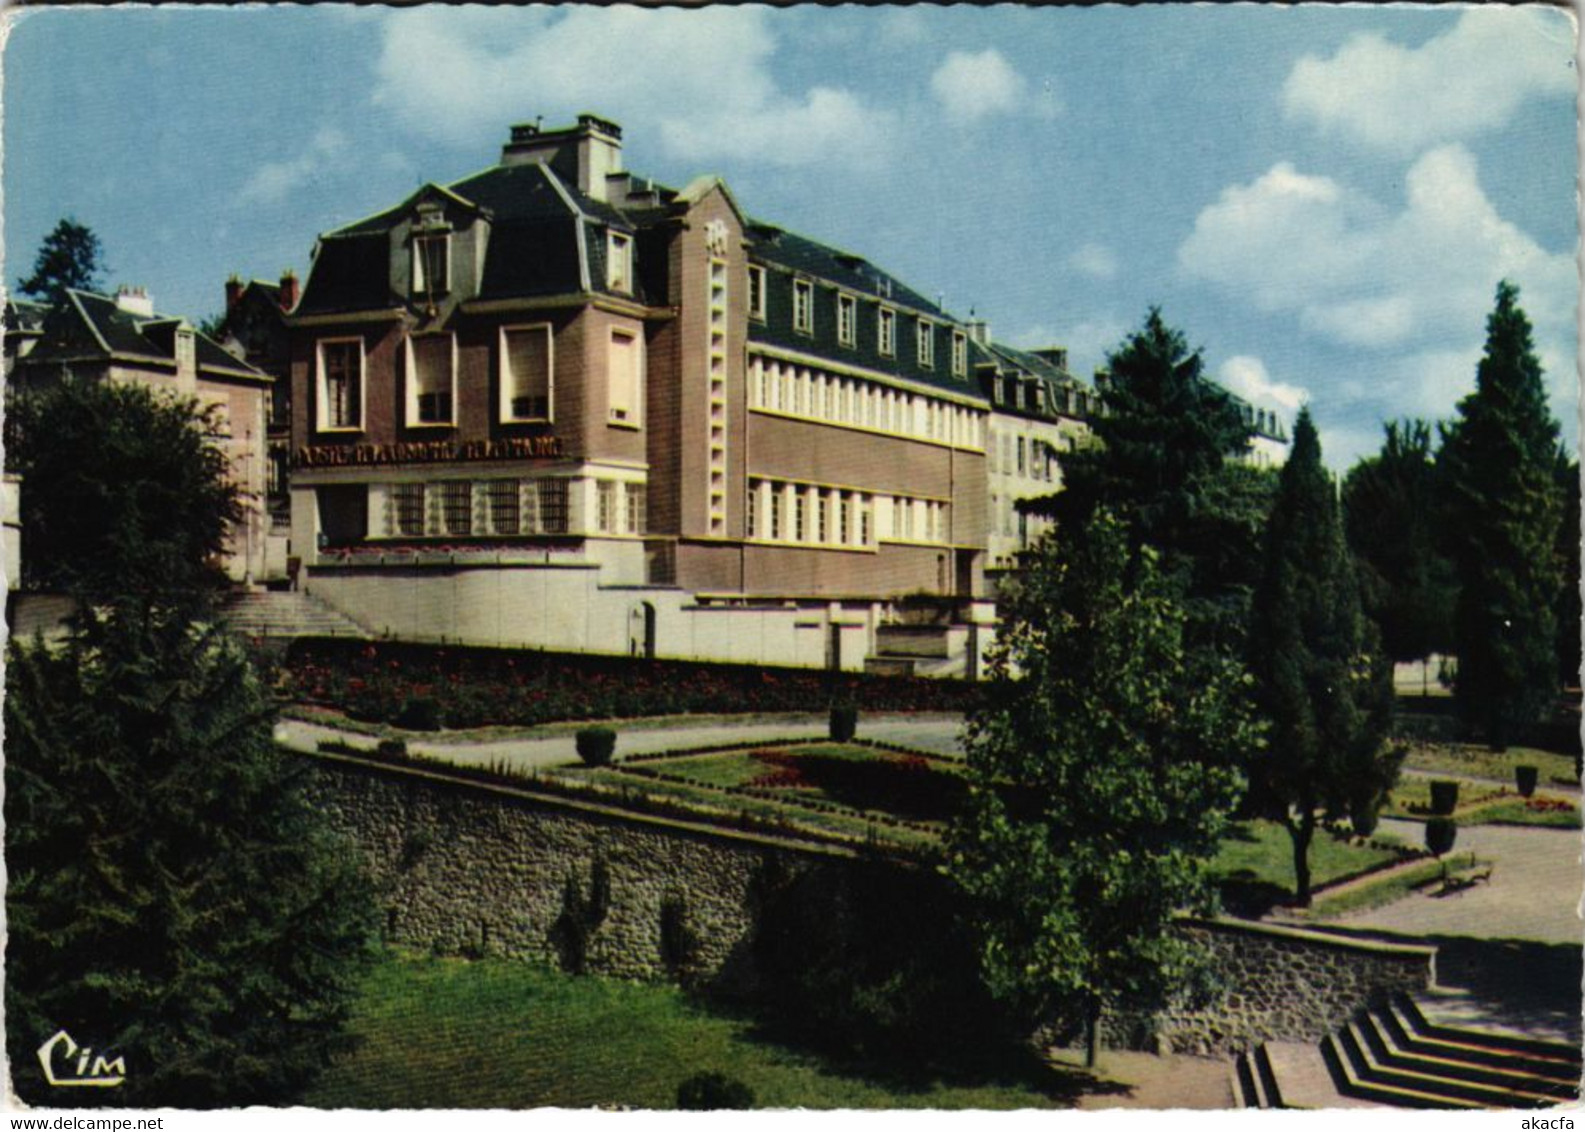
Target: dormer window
x=886, y=335
x=925, y=334
x=847, y=320
x=960, y=354
x=431, y=271
x=803, y=306
x=756, y=292
x=619, y=262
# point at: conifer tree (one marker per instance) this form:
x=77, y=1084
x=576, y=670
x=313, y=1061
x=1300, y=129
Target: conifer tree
x=172, y=899
x=1100, y=783
x=69, y=258
x=1499, y=455
x=1323, y=681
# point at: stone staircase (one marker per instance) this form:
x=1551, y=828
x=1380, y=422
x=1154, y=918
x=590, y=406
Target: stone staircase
x=286, y=614
x=1392, y=1054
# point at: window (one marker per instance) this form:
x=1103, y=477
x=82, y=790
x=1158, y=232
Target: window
x=407, y=503
x=431, y=265
x=756, y=292
x=624, y=373
x=619, y=263
x=887, y=333
x=803, y=306
x=526, y=381
x=960, y=354
x=552, y=506
x=635, y=509
x=605, y=506
x=1022, y=465
x=925, y=333
x=506, y=512
x=429, y=380
x=775, y=511
x=456, y=507
x=799, y=511
x=822, y=505
x=864, y=520
x=751, y=519
x=341, y=384
x=847, y=319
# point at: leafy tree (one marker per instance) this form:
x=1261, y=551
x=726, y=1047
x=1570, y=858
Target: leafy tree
x=1500, y=456
x=1568, y=568
x=171, y=898
x=69, y=258
x=1395, y=520
x=125, y=490
x=1161, y=451
x=1323, y=682
x=1100, y=780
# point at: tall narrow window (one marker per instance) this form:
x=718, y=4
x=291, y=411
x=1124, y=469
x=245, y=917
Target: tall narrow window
x=756, y=292
x=635, y=509
x=751, y=512
x=506, y=513
x=456, y=507
x=407, y=503
x=431, y=273
x=803, y=306
x=553, y=506
x=605, y=506
x=619, y=263
x=429, y=380
x=341, y=384
x=847, y=319
x=886, y=340
x=799, y=515
x=960, y=354
x=624, y=370
x=775, y=511
x=926, y=335
x=526, y=373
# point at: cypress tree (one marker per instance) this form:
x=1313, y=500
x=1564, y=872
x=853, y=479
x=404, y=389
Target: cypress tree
x=1323, y=682
x=1499, y=456
x=172, y=899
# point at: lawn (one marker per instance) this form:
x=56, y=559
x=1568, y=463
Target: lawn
x=497, y=1033
x=1481, y=802
x=1255, y=863
x=1470, y=760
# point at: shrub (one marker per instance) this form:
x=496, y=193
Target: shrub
x=1444, y=796
x=705, y=1091
x=1363, y=816
x=1440, y=834
x=1525, y=777
x=419, y=713
x=596, y=745
x=391, y=748
x=844, y=723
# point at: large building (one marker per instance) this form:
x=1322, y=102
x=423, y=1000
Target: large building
x=556, y=404
x=122, y=338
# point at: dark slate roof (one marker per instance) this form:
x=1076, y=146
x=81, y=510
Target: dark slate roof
x=1065, y=394
x=350, y=273
x=773, y=245
x=532, y=257
x=24, y=316
x=93, y=326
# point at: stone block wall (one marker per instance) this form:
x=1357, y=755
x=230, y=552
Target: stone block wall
x=468, y=868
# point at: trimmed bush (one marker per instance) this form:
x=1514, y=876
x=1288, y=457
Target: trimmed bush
x=596, y=745
x=1363, y=817
x=706, y=1091
x=1524, y=777
x=1440, y=834
x=391, y=748
x=419, y=713
x=1444, y=796
x=844, y=723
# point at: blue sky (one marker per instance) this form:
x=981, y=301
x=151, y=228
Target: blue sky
x=1323, y=198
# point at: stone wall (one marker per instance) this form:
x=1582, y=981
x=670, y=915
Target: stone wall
x=463, y=867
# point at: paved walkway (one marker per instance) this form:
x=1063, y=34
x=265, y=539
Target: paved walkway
x=936, y=733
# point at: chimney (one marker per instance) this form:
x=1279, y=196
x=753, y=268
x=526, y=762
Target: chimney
x=1056, y=355
x=586, y=154
x=288, y=290
x=135, y=300
x=233, y=293
x=979, y=331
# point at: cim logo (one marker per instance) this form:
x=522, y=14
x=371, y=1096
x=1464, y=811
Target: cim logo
x=85, y=1071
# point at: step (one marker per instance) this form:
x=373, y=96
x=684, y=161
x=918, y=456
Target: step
x=1266, y=1078
x=1246, y=1090
x=1307, y=1082
x=1544, y=1051
x=1442, y=1078
x=1345, y=1066
x=1545, y=1074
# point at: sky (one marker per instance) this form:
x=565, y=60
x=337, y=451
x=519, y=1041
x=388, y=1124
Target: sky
x=1322, y=198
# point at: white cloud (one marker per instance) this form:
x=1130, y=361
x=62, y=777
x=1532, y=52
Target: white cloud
x=1095, y=260
x=1467, y=81
x=1363, y=275
x=701, y=80
x=972, y=86
x=1247, y=377
x=274, y=181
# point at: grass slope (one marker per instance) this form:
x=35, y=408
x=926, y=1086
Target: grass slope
x=496, y=1033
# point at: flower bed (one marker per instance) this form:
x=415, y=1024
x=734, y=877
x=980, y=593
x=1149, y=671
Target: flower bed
x=473, y=687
